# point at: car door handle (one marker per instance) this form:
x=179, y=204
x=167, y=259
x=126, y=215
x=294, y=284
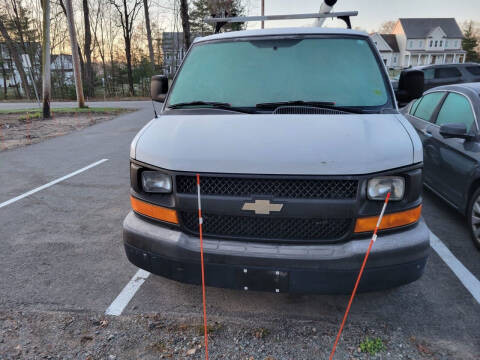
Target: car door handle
x=426, y=132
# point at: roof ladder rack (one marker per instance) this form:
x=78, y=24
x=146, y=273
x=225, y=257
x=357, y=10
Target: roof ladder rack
x=221, y=21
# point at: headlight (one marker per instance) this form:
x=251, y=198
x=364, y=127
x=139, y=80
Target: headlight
x=156, y=182
x=379, y=187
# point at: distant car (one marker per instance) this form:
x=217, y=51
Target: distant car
x=445, y=74
x=446, y=118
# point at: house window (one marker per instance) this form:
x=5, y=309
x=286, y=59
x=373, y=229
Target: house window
x=456, y=43
x=431, y=43
x=446, y=43
x=394, y=59
x=441, y=43
x=436, y=43
x=411, y=44
x=421, y=43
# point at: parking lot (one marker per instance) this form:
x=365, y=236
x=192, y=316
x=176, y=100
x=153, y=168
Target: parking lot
x=61, y=251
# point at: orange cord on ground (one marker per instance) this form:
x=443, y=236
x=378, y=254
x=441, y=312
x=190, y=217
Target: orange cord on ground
x=200, y=223
x=374, y=237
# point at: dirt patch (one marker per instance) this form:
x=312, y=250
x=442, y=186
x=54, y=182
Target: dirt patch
x=20, y=129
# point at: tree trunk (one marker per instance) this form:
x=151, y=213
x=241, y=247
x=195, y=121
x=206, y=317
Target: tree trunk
x=12, y=48
x=46, y=78
x=128, y=55
x=185, y=23
x=77, y=72
x=87, y=48
x=4, y=75
x=149, y=34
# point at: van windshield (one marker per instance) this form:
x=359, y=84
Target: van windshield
x=339, y=71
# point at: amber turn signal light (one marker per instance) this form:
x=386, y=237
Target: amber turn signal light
x=154, y=211
x=389, y=221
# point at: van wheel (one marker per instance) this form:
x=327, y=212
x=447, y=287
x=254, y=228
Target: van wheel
x=474, y=217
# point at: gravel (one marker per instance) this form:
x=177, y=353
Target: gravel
x=89, y=336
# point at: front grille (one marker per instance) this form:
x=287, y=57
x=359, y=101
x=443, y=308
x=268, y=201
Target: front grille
x=266, y=228
x=279, y=188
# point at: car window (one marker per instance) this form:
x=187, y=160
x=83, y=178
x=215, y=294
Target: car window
x=456, y=109
x=245, y=73
x=429, y=74
x=474, y=70
x=447, y=72
x=428, y=104
x=414, y=106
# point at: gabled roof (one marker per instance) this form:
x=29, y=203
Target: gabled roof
x=391, y=40
x=419, y=28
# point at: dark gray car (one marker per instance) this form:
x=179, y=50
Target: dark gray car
x=446, y=118
x=445, y=74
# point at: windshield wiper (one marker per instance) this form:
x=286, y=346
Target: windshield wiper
x=319, y=104
x=214, y=104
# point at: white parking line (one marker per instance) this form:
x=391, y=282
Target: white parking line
x=471, y=283
x=8, y=202
x=120, y=303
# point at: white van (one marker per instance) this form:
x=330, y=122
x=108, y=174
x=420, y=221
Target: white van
x=297, y=138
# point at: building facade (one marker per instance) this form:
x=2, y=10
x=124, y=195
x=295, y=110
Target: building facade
x=421, y=41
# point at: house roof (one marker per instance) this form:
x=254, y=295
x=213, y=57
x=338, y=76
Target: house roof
x=419, y=28
x=391, y=40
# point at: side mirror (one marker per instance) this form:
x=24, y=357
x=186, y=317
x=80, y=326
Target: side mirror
x=410, y=86
x=455, y=130
x=159, y=88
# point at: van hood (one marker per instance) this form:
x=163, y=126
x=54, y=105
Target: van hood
x=278, y=144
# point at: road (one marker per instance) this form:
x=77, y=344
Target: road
x=61, y=250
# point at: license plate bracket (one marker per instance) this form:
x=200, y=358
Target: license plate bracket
x=263, y=280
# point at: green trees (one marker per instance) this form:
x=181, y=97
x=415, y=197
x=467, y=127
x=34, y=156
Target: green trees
x=201, y=9
x=470, y=42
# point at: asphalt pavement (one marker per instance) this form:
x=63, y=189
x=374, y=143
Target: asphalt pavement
x=61, y=249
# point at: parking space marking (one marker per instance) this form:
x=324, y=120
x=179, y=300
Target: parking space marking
x=121, y=301
x=471, y=283
x=28, y=193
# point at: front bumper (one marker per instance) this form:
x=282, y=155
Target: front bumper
x=396, y=258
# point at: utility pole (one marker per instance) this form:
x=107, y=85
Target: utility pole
x=263, y=13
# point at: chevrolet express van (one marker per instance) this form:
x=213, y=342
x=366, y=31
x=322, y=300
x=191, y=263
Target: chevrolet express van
x=297, y=139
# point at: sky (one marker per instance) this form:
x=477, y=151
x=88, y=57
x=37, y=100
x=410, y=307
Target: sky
x=372, y=13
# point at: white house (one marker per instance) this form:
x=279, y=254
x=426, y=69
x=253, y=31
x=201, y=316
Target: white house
x=423, y=41
x=388, y=47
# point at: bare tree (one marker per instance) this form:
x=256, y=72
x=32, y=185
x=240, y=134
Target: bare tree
x=127, y=15
x=87, y=49
x=75, y=56
x=149, y=34
x=15, y=53
x=387, y=27
x=185, y=23
x=46, y=76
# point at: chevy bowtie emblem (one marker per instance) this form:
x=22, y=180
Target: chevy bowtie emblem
x=262, y=207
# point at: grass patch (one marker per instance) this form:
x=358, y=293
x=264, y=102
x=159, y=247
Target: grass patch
x=372, y=346
x=36, y=112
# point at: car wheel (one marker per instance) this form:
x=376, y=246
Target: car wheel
x=474, y=217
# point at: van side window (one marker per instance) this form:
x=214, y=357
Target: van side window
x=428, y=104
x=429, y=74
x=474, y=70
x=447, y=72
x=456, y=109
